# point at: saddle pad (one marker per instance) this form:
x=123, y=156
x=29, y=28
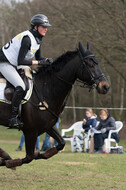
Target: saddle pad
x=26, y=98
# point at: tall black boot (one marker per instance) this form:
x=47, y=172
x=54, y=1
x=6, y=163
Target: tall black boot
x=16, y=100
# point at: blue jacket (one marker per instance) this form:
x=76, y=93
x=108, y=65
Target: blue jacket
x=90, y=121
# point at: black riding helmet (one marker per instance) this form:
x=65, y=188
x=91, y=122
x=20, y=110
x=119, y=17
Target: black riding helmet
x=40, y=20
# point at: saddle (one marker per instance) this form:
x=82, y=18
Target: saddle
x=9, y=89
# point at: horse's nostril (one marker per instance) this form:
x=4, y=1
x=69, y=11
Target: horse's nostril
x=105, y=87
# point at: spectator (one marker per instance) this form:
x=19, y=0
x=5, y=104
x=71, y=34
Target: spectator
x=89, y=122
x=107, y=122
x=22, y=140
x=46, y=143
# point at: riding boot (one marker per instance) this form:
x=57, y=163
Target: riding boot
x=16, y=100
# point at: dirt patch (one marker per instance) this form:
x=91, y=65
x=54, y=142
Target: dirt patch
x=9, y=141
x=77, y=163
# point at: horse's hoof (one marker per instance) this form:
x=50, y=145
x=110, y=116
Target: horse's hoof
x=2, y=162
x=14, y=168
x=13, y=163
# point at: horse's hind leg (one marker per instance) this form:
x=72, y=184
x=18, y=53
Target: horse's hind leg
x=5, y=156
x=53, y=132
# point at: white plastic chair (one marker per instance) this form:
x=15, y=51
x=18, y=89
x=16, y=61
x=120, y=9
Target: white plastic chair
x=77, y=129
x=108, y=141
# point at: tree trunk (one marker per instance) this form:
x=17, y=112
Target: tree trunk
x=122, y=99
x=73, y=102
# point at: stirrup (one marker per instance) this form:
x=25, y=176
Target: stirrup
x=15, y=123
x=15, y=127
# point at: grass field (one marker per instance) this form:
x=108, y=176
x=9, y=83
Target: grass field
x=66, y=170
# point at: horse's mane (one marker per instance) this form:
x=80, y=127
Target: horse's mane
x=60, y=62
x=45, y=77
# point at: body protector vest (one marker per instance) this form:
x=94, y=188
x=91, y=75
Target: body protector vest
x=11, y=49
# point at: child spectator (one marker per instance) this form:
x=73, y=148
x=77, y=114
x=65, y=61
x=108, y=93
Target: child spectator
x=89, y=122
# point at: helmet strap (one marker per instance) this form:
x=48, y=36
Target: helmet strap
x=37, y=32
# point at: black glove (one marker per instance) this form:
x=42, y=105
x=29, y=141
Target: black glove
x=45, y=62
x=50, y=60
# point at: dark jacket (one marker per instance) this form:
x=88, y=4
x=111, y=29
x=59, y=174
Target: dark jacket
x=90, y=121
x=109, y=124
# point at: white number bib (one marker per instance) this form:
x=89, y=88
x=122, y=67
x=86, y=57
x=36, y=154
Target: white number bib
x=11, y=49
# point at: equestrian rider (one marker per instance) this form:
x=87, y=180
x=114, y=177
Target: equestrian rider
x=17, y=52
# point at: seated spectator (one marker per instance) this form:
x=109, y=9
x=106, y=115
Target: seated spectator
x=89, y=122
x=107, y=122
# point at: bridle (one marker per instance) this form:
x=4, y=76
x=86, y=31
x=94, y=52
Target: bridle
x=94, y=80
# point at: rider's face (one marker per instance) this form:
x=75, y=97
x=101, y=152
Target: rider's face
x=42, y=30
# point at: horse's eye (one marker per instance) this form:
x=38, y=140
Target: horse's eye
x=95, y=60
x=91, y=65
x=89, y=62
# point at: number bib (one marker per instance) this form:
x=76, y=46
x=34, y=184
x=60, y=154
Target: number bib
x=11, y=49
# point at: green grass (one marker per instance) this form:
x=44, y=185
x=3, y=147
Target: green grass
x=8, y=134
x=66, y=170
x=11, y=134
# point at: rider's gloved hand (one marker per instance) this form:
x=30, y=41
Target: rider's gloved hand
x=50, y=60
x=45, y=62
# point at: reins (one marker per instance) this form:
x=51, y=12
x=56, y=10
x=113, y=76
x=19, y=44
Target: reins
x=65, y=81
x=85, y=85
x=42, y=102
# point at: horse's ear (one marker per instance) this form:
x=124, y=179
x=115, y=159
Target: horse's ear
x=88, y=46
x=81, y=48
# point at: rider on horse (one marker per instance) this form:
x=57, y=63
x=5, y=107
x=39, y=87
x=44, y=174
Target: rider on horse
x=17, y=52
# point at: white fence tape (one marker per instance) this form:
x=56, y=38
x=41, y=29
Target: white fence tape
x=95, y=108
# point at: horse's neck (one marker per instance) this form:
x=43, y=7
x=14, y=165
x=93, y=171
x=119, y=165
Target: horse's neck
x=63, y=84
x=68, y=73
x=57, y=89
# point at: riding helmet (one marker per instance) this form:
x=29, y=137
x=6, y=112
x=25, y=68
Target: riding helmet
x=40, y=20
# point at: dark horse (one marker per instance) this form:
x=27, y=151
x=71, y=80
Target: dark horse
x=52, y=85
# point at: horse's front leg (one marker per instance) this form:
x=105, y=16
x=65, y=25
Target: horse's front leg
x=30, y=140
x=53, y=132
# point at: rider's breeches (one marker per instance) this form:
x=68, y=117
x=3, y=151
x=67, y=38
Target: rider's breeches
x=10, y=73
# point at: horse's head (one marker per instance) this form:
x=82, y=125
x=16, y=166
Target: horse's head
x=91, y=72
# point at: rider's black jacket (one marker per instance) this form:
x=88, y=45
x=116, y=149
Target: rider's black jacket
x=25, y=46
